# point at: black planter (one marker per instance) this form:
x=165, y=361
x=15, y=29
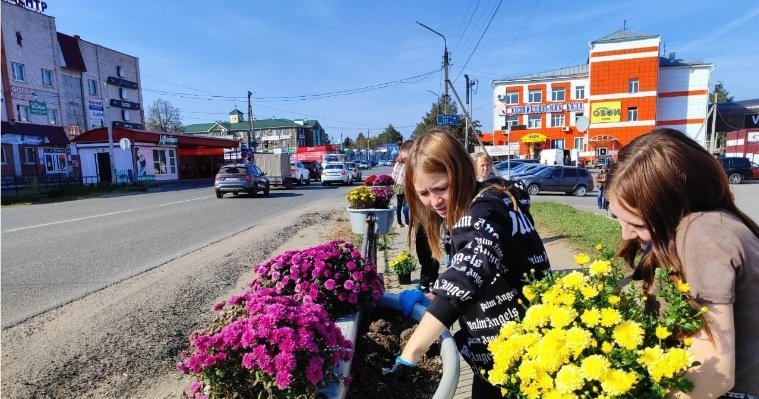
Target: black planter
x=404, y=278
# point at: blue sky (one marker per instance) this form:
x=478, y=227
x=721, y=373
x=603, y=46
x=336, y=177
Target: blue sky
x=358, y=66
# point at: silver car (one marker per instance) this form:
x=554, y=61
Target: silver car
x=336, y=172
x=355, y=170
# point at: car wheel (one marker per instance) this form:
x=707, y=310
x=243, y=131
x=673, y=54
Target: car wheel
x=234, y=193
x=324, y=183
x=580, y=191
x=266, y=190
x=735, y=178
x=308, y=181
x=253, y=191
x=219, y=194
x=533, y=189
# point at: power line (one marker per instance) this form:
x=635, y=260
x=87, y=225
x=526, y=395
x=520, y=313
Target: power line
x=517, y=35
x=480, y=40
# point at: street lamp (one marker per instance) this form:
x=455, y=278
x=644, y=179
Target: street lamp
x=445, y=62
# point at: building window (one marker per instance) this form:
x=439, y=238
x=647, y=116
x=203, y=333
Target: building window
x=557, y=120
x=123, y=92
x=558, y=94
x=92, y=87
x=18, y=72
x=579, y=143
x=55, y=162
x=557, y=144
x=125, y=114
x=512, y=120
x=52, y=116
x=632, y=114
x=633, y=86
x=120, y=71
x=47, y=77
x=533, y=122
x=19, y=39
x=29, y=155
x=3, y=160
x=512, y=97
x=164, y=162
x=536, y=96
x=23, y=113
x=580, y=92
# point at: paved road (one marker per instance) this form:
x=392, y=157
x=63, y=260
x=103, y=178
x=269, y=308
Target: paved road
x=55, y=253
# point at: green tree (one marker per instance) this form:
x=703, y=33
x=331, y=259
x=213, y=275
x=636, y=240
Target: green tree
x=430, y=120
x=163, y=117
x=389, y=135
x=348, y=143
x=361, y=142
x=325, y=139
x=723, y=96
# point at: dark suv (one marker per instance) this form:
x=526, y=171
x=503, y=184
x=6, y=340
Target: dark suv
x=315, y=169
x=569, y=179
x=737, y=169
x=240, y=178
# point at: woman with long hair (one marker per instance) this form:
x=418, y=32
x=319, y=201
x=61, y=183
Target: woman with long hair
x=493, y=243
x=673, y=202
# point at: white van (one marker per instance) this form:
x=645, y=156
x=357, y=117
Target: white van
x=555, y=156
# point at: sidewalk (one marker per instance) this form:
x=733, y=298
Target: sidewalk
x=560, y=253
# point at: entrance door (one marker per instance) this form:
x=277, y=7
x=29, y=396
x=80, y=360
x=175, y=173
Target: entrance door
x=104, y=167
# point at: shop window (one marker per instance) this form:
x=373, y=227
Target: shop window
x=120, y=71
x=557, y=120
x=172, y=162
x=125, y=114
x=18, y=72
x=557, y=144
x=3, y=161
x=55, y=162
x=29, y=155
x=580, y=93
x=632, y=114
x=534, y=122
x=579, y=143
x=558, y=94
x=164, y=162
x=535, y=96
x=512, y=97
x=23, y=113
x=123, y=92
x=633, y=86
x=92, y=87
x=47, y=77
x=52, y=116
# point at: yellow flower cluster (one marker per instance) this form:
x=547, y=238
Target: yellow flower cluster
x=361, y=197
x=403, y=263
x=583, y=337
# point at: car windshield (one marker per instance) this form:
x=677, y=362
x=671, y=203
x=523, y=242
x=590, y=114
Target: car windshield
x=544, y=172
x=230, y=170
x=333, y=167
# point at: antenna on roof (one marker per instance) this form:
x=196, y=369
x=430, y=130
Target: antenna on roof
x=624, y=24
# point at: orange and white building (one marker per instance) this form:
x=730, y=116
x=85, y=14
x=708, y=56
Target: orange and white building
x=626, y=89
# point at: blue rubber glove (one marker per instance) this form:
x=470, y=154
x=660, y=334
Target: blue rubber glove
x=409, y=298
x=399, y=361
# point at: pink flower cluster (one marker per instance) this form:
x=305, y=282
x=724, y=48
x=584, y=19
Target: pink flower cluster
x=333, y=274
x=383, y=180
x=383, y=195
x=262, y=341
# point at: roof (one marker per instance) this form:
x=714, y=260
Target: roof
x=72, y=55
x=100, y=135
x=244, y=126
x=568, y=72
x=665, y=62
x=55, y=134
x=235, y=112
x=624, y=35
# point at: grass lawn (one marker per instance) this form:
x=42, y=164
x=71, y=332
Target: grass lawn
x=581, y=228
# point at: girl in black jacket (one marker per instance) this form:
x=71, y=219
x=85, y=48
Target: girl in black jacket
x=493, y=244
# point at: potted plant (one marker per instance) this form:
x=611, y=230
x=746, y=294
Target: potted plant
x=402, y=265
x=364, y=201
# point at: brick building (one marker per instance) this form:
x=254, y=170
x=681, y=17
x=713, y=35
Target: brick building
x=625, y=90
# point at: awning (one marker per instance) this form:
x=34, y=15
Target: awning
x=534, y=138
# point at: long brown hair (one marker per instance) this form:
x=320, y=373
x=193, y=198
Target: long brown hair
x=437, y=151
x=661, y=177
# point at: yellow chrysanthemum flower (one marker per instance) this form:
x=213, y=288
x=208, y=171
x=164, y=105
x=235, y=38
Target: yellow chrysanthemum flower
x=591, y=317
x=703, y=309
x=599, y=247
x=582, y=259
x=678, y=359
x=682, y=286
x=613, y=299
x=577, y=340
x=600, y=268
x=607, y=347
x=569, y=379
x=688, y=341
x=610, y=317
x=562, y=316
x=594, y=367
x=618, y=382
x=528, y=292
x=662, y=332
x=588, y=291
x=628, y=335
x=573, y=279
x=649, y=356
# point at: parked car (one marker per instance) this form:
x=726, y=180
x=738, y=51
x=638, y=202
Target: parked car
x=388, y=163
x=240, y=178
x=363, y=165
x=518, y=170
x=503, y=165
x=336, y=172
x=314, y=169
x=738, y=169
x=755, y=170
x=569, y=179
x=300, y=173
x=355, y=170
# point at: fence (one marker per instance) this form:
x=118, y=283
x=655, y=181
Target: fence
x=16, y=185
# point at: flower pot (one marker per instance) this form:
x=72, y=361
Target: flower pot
x=384, y=219
x=404, y=278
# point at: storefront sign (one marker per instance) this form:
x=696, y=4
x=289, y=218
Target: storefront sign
x=751, y=121
x=534, y=138
x=167, y=140
x=122, y=82
x=38, y=108
x=545, y=108
x=34, y=5
x=605, y=112
x=752, y=137
x=127, y=125
x=95, y=108
x=22, y=92
x=125, y=104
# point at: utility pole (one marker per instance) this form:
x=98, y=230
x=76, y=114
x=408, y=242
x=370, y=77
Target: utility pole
x=713, y=143
x=466, y=120
x=109, y=125
x=250, y=123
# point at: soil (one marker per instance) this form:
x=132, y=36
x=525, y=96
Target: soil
x=386, y=333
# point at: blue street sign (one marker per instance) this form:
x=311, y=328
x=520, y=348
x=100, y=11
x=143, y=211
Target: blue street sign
x=447, y=120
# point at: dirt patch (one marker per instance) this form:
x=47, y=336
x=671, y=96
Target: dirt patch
x=384, y=332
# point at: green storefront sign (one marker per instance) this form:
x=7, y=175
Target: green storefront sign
x=38, y=108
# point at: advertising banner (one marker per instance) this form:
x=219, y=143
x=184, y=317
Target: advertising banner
x=605, y=112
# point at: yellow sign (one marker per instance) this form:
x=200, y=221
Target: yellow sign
x=605, y=112
x=534, y=138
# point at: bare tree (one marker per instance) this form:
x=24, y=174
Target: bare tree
x=163, y=117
